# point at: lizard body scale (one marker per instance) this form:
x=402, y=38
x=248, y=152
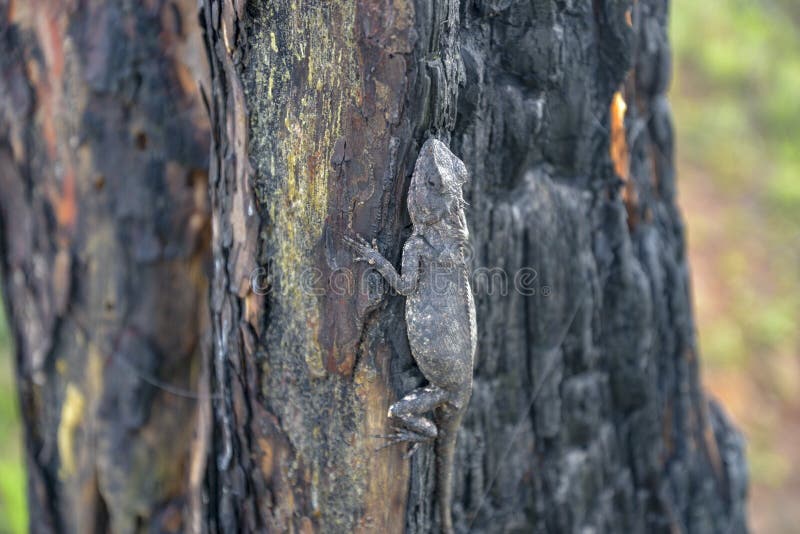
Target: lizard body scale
x=439, y=311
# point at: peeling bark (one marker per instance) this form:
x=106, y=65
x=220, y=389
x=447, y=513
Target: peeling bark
x=104, y=232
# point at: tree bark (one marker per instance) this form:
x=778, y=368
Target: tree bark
x=587, y=409
x=104, y=230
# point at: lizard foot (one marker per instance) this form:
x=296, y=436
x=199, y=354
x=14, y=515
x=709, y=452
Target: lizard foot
x=402, y=435
x=366, y=251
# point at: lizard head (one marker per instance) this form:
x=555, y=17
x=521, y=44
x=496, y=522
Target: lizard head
x=435, y=189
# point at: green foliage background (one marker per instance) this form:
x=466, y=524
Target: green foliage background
x=736, y=101
x=13, y=513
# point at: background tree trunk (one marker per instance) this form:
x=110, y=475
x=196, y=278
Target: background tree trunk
x=587, y=410
x=104, y=232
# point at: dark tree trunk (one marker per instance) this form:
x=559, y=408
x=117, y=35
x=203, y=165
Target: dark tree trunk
x=587, y=409
x=104, y=232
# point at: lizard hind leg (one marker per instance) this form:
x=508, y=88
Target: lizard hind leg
x=411, y=425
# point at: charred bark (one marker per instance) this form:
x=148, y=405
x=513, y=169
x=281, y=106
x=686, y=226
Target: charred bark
x=104, y=232
x=588, y=410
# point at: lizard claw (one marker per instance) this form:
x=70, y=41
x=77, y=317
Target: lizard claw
x=356, y=241
x=402, y=435
x=366, y=252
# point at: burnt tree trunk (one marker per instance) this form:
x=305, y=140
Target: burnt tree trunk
x=104, y=232
x=587, y=410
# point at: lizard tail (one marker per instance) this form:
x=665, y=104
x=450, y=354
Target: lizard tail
x=445, y=454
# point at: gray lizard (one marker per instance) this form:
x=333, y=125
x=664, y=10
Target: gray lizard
x=440, y=312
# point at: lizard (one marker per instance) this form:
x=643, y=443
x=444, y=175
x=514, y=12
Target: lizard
x=439, y=311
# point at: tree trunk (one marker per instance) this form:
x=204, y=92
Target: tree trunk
x=104, y=232
x=587, y=409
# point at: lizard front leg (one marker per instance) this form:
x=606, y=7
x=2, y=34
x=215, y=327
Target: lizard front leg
x=405, y=284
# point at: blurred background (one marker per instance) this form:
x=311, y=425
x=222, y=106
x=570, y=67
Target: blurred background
x=736, y=105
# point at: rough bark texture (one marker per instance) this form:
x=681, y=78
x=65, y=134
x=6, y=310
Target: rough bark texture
x=587, y=411
x=621, y=437
x=104, y=233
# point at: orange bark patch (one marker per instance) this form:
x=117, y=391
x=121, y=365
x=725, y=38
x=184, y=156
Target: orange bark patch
x=267, y=457
x=186, y=78
x=65, y=206
x=51, y=37
x=384, y=508
x=619, y=144
x=620, y=155
x=11, y=10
